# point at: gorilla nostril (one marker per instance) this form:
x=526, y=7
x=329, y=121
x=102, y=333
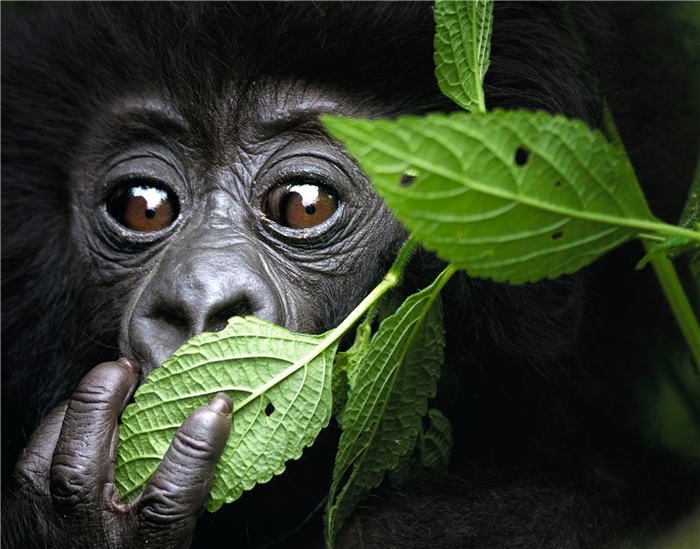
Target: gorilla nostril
x=172, y=317
x=218, y=320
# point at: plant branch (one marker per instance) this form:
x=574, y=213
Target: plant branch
x=671, y=285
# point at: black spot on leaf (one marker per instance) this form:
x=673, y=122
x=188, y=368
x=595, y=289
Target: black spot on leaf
x=269, y=409
x=557, y=236
x=407, y=180
x=521, y=156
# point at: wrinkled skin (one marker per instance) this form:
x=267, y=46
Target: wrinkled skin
x=216, y=107
x=68, y=466
x=220, y=257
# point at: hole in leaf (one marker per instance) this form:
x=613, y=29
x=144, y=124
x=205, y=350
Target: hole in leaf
x=269, y=409
x=557, y=236
x=407, y=180
x=521, y=156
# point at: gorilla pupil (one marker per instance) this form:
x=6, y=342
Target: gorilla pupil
x=295, y=204
x=143, y=208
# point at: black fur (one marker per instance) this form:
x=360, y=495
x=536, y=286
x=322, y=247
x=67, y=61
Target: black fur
x=545, y=454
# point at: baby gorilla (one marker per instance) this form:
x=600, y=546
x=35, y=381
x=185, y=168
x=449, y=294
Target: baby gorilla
x=164, y=169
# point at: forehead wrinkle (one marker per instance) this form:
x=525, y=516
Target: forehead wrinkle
x=151, y=113
x=283, y=108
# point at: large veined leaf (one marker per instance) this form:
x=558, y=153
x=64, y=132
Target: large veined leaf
x=462, y=49
x=390, y=396
x=281, y=394
x=514, y=196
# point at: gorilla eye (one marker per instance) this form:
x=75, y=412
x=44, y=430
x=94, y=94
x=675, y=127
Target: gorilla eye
x=300, y=206
x=143, y=208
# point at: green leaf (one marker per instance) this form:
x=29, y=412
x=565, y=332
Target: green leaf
x=437, y=442
x=408, y=466
x=462, y=50
x=673, y=245
x=695, y=266
x=280, y=385
x=383, y=414
x=350, y=359
x=691, y=211
x=514, y=196
x=432, y=450
x=345, y=367
x=691, y=217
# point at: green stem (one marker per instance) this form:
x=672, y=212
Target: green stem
x=391, y=279
x=481, y=100
x=651, y=237
x=665, y=228
x=671, y=285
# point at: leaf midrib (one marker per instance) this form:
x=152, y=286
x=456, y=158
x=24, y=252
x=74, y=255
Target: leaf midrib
x=424, y=164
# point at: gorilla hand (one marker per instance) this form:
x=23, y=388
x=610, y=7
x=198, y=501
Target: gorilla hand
x=67, y=470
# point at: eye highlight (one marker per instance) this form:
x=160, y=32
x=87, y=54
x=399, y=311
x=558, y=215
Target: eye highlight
x=143, y=208
x=300, y=205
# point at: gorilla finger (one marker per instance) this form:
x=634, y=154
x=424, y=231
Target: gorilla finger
x=177, y=490
x=82, y=460
x=34, y=463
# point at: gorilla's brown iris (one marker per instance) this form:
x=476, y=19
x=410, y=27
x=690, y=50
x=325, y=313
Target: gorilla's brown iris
x=300, y=206
x=143, y=208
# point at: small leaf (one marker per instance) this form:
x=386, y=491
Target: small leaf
x=691, y=211
x=462, y=50
x=673, y=245
x=281, y=389
x=383, y=414
x=691, y=217
x=350, y=359
x=345, y=367
x=432, y=450
x=437, y=442
x=514, y=196
x=695, y=266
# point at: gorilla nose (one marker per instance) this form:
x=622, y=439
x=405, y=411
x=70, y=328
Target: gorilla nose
x=195, y=313
x=184, y=299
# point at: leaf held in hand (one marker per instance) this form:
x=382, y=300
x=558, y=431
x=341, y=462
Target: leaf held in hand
x=282, y=398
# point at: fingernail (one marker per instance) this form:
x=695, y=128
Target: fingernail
x=222, y=403
x=130, y=365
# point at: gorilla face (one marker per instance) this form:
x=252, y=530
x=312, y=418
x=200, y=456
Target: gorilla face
x=164, y=169
x=253, y=212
